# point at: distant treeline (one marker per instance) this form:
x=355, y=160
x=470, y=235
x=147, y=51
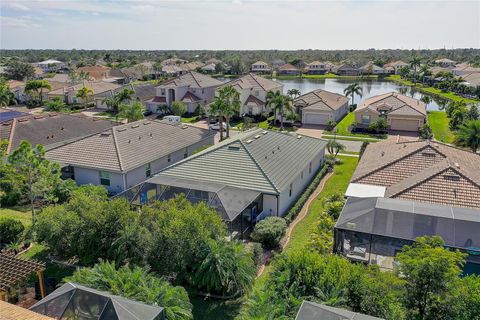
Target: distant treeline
x=131, y=57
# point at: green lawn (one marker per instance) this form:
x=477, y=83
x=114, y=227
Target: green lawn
x=438, y=121
x=189, y=119
x=336, y=184
x=21, y=213
x=342, y=128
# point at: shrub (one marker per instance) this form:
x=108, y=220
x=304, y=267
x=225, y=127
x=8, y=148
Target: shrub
x=178, y=108
x=331, y=124
x=380, y=125
x=295, y=209
x=10, y=230
x=257, y=252
x=426, y=132
x=269, y=231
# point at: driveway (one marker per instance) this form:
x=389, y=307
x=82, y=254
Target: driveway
x=311, y=131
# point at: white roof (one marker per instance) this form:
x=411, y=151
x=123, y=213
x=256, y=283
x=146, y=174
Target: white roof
x=360, y=190
x=50, y=61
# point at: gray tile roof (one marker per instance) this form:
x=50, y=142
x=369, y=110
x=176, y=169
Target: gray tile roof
x=321, y=100
x=128, y=146
x=192, y=79
x=253, y=82
x=50, y=129
x=143, y=92
x=314, y=311
x=260, y=160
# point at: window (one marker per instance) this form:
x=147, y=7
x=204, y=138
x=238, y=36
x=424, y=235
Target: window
x=310, y=168
x=148, y=170
x=250, y=110
x=162, y=92
x=365, y=119
x=290, y=191
x=104, y=178
x=169, y=158
x=185, y=153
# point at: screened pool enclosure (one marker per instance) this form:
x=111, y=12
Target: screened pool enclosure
x=374, y=230
x=239, y=208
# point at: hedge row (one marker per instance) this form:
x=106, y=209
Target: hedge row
x=295, y=209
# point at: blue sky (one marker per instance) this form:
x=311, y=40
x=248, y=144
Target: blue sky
x=238, y=24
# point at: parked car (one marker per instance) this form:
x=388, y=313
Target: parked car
x=216, y=126
x=172, y=119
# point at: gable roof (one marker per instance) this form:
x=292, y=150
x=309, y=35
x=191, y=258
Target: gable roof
x=314, y=311
x=128, y=146
x=321, y=100
x=143, y=91
x=396, y=102
x=10, y=311
x=97, y=87
x=260, y=63
x=422, y=171
x=192, y=79
x=50, y=129
x=190, y=97
x=288, y=66
x=254, y=82
x=257, y=159
x=97, y=72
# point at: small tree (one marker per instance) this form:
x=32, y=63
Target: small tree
x=334, y=147
x=331, y=124
x=37, y=87
x=379, y=125
x=85, y=93
x=133, y=111
x=426, y=132
x=178, y=108
x=269, y=231
x=7, y=97
x=56, y=104
x=473, y=113
x=468, y=135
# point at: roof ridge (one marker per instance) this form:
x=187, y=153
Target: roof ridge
x=255, y=79
x=115, y=143
x=321, y=99
x=194, y=78
x=10, y=135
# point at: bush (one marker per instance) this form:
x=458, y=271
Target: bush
x=257, y=252
x=426, y=132
x=330, y=125
x=10, y=230
x=295, y=209
x=11, y=186
x=178, y=108
x=269, y=231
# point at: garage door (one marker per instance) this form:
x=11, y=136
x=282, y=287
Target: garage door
x=404, y=125
x=315, y=118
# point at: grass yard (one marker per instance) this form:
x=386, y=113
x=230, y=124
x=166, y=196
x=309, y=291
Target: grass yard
x=438, y=121
x=53, y=270
x=189, y=119
x=345, y=123
x=21, y=213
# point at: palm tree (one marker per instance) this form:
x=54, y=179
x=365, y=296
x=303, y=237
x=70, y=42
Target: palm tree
x=426, y=99
x=271, y=98
x=7, y=97
x=414, y=63
x=84, y=94
x=425, y=72
x=231, y=107
x=283, y=106
x=352, y=90
x=468, y=135
x=132, y=112
x=218, y=109
x=294, y=93
x=37, y=86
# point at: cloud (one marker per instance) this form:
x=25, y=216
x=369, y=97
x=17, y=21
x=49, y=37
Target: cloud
x=18, y=6
x=143, y=7
x=18, y=22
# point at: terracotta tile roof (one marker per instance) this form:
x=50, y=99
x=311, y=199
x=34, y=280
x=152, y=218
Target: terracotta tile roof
x=97, y=72
x=422, y=171
x=394, y=103
x=190, y=97
x=321, y=100
x=289, y=67
x=12, y=312
x=158, y=99
x=192, y=79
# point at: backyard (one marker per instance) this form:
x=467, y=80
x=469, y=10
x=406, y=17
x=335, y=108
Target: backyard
x=438, y=121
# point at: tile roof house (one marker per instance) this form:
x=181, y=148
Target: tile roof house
x=126, y=155
x=253, y=92
x=142, y=92
x=96, y=72
x=394, y=66
x=464, y=68
x=402, y=113
x=261, y=67
x=192, y=88
x=445, y=62
x=10, y=311
x=314, y=311
x=262, y=174
x=346, y=70
x=50, y=130
x=318, y=107
x=371, y=68
x=68, y=93
x=288, y=70
x=316, y=67
x=423, y=171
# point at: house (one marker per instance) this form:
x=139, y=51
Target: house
x=192, y=88
x=401, y=190
x=346, y=70
x=318, y=107
x=330, y=66
x=445, y=63
x=69, y=93
x=18, y=89
x=173, y=61
x=394, y=66
x=371, y=68
x=402, y=113
x=261, y=67
x=253, y=175
x=277, y=63
x=50, y=129
x=209, y=68
x=464, y=69
x=95, y=72
x=124, y=156
x=172, y=70
x=75, y=301
x=253, y=92
x=142, y=92
x=51, y=65
x=288, y=70
x=472, y=79
x=316, y=67
x=314, y=311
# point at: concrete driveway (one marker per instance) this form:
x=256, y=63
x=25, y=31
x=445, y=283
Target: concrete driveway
x=311, y=131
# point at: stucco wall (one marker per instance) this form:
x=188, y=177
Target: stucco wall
x=92, y=176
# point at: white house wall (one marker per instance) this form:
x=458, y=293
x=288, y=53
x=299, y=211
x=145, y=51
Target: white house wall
x=92, y=176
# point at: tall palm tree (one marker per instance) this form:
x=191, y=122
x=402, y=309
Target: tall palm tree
x=283, y=106
x=37, y=86
x=352, y=90
x=414, y=63
x=468, y=135
x=133, y=111
x=425, y=72
x=84, y=94
x=231, y=105
x=294, y=93
x=271, y=98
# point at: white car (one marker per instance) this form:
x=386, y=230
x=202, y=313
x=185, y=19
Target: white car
x=216, y=126
x=172, y=119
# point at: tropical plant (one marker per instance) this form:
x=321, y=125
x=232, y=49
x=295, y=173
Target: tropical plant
x=269, y=231
x=228, y=104
x=425, y=72
x=55, y=104
x=218, y=109
x=426, y=132
x=468, y=135
x=226, y=268
x=473, y=113
x=426, y=99
x=334, y=147
x=331, y=124
x=124, y=95
x=37, y=87
x=379, y=125
x=457, y=115
x=178, y=108
x=138, y=284
x=271, y=100
x=132, y=112
x=7, y=97
x=293, y=93
x=20, y=71
x=352, y=90
x=85, y=93
x=404, y=72
x=415, y=62
x=10, y=230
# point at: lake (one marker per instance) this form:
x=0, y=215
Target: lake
x=370, y=88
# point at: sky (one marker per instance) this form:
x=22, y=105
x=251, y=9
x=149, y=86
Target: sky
x=239, y=24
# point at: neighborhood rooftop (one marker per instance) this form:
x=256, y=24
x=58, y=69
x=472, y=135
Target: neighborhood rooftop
x=254, y=82
x=322, y=100
x=128, y=146
x=314, y=311
x=192, y=79
x=423, y=171
x=399, y=103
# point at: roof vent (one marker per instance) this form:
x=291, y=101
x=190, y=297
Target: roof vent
x=266, y=157
x=23, y=120
x=121, y=129
x=129, y=141
x=383, y=153
x=184, y=126
x=257, y=136
x=151, y=134
x=105, y=134
x=299, y=137
x=37, y=117
x=249, y=141
x=234, y=147
x=264, y=132
x=53, y=114
x=62, y=128
x=147, y=122
x=139, y=137
x=457, y=165
x=135, y=126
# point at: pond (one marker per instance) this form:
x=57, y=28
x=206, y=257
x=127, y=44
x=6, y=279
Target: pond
x=370, y=88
